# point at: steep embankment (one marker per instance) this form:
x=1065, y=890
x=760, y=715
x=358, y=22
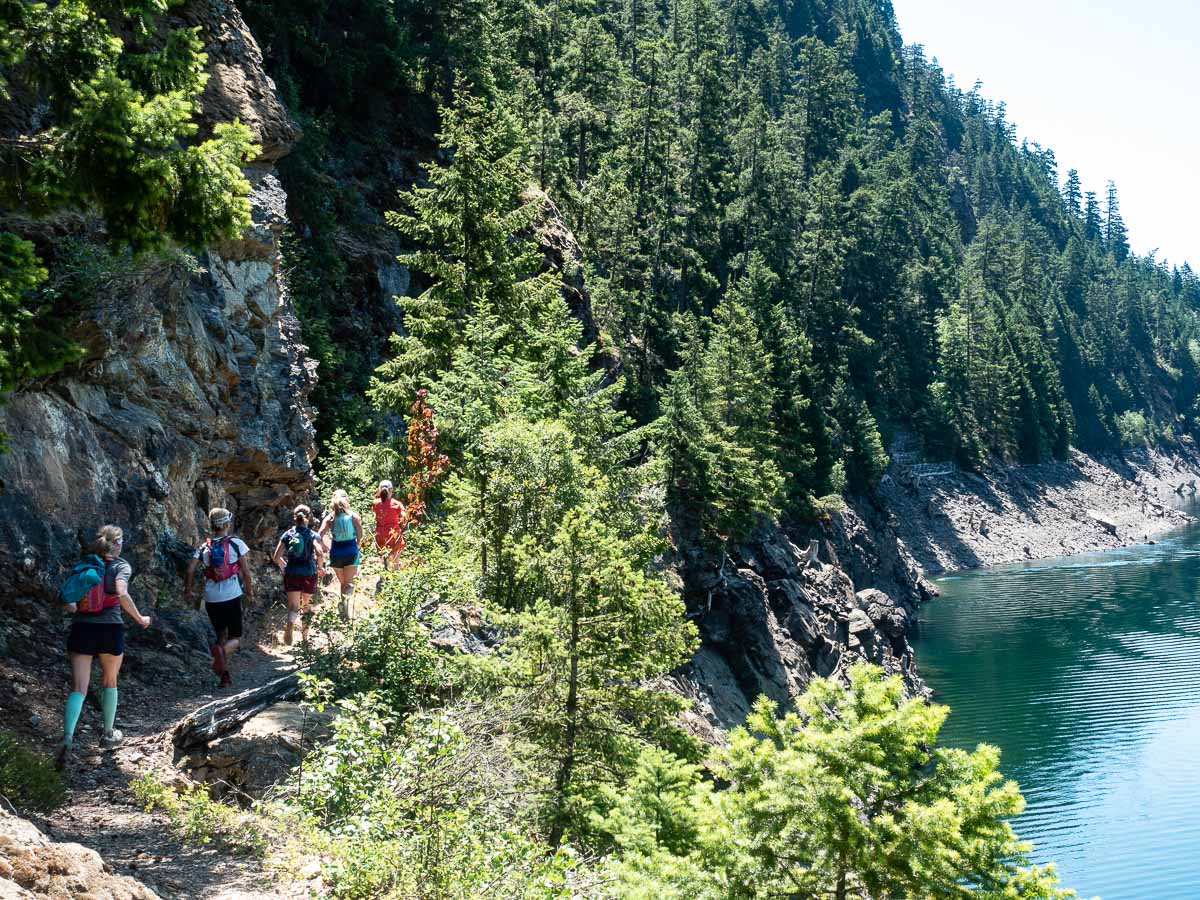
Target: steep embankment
x=193, y=393
x=960, y=520
x=193, y=390
x=781, y=608
x=770, y=617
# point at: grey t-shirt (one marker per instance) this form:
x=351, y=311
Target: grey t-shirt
x=115, y=570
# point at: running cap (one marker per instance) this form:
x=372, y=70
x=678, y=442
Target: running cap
x=385, y=485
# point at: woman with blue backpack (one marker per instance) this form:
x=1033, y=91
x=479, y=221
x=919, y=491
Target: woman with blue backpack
x=344, y=526
x=226, y=583
x=300, y=556
x=95, y=593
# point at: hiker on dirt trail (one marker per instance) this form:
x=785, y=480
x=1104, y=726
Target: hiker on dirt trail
x=95, y=593
x=300, y=556
x=344, y=526
x=226, y=583
x=389, y=539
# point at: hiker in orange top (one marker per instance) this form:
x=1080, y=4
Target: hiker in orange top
x=389, y=539
x=226, y=583
x=95, y=593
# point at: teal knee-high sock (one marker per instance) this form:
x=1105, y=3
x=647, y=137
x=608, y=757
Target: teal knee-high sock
x=71, y=716
x=108, y=702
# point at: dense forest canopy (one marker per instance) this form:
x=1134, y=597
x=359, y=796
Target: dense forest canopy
x=789, y=182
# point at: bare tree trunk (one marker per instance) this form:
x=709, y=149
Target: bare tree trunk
x=842, y=864
x=566, y=768
x=651, y=88
x=222, y=716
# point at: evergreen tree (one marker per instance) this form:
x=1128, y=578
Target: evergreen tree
x=1091, y=218
x=739, y=367
x=120, y=130
x=654, y=809
x=1115, y=236
x=99, y=105
x=713, y=471
x=604, y=628
x=462, y=223
x=849, y=797
x=908, y=265
x=1073, y=194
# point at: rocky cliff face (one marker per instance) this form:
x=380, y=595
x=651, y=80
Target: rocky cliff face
x=774, y=615
x=193, y=391
x=1083, y=504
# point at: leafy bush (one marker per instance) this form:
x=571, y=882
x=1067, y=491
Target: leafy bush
x=199, y=819
x=28, y=779
x=1135, y=430
x=387, y=650
x=434, y=807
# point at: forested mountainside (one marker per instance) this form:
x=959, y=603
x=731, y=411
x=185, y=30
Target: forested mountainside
x=670, y=277
x=798, y=237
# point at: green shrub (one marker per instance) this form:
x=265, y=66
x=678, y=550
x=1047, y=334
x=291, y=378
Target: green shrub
x=28, y=779
x=1135, y=430
x=436, y=806
x=387, y=650
x=199, y=819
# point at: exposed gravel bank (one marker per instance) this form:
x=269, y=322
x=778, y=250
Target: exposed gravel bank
x=1011, y=513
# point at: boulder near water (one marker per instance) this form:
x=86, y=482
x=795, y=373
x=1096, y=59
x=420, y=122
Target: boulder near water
x=1103, y=521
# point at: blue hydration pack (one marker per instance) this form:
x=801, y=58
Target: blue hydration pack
x=85, y=585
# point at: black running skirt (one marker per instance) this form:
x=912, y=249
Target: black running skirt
x=226, y=617
x=91, y=638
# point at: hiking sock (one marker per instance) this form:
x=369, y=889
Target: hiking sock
x=71, y=716
x=108, y=702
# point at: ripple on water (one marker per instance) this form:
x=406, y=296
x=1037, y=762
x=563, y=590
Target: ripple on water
x=1086, y=673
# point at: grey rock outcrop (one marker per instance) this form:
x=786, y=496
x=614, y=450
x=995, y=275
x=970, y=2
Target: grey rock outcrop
x=770, y=620
x=193, y=390
x=33, y=866
x=238, y=86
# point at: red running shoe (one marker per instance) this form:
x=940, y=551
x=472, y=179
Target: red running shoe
x=218, y=655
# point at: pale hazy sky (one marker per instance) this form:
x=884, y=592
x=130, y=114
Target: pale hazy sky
x=1109, y=85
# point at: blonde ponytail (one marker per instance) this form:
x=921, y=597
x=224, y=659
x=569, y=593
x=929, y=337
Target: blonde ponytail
x=108, y=540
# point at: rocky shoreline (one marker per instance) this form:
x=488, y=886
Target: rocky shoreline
x=954, y=520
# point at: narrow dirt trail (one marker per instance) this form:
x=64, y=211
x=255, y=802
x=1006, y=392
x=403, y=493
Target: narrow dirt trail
x=101, y=812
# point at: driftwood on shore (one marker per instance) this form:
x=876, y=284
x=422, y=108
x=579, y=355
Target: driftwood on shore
x=1103, y=521
x=229, y=713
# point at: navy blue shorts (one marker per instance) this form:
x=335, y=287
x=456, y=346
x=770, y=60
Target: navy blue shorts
x=343, y=554
x=92, y=639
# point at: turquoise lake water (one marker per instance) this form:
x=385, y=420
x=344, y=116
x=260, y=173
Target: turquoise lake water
x=1085, y=671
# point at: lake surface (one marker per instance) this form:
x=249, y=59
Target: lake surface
x=1086, y=673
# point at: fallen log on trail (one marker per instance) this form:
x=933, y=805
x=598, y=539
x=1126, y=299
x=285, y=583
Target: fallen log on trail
x=227, y=714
